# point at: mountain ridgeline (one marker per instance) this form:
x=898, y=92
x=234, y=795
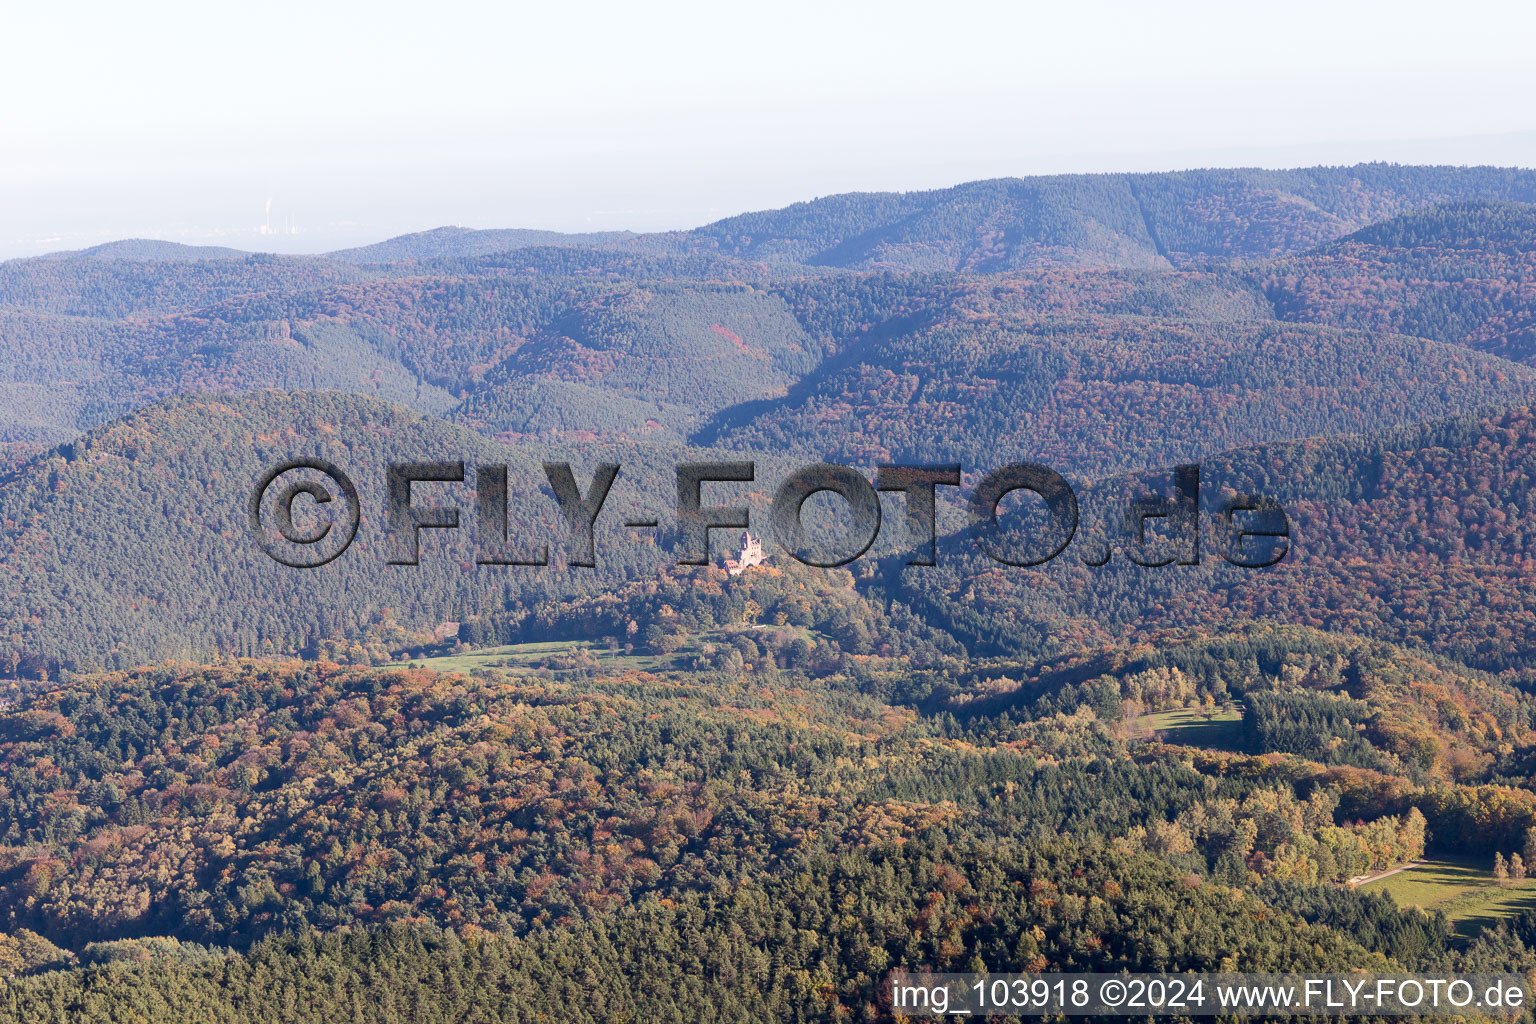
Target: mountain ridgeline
x=862, y=329
x=465, y=789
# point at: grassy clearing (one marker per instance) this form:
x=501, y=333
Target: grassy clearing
x=1190, y=727
x=530, y=655
x=1462, y=888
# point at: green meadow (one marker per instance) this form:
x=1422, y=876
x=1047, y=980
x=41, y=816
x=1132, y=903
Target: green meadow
x=1190, y=727
x=533, y=655
x=1463, y=889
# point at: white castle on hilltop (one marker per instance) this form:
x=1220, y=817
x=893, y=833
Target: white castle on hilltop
x=751, y=554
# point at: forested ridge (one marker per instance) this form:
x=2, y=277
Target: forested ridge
x=1419, y=535
x=230, y=790
x=1460, y=273
x=526, y=335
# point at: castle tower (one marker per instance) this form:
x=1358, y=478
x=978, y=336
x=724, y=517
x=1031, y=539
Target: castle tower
x=751, y=554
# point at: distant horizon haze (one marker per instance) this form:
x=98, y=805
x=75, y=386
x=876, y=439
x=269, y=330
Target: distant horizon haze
x=311, y=127
x=284, y=231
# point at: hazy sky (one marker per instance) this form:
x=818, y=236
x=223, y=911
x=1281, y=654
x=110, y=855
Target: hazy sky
x=348, y=122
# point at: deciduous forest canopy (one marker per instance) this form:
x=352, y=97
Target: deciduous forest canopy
x=232, y=790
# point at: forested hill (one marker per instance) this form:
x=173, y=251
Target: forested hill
x=1100, y=394
x=1163, y=364
x=1124, y=220
x=1127, y=220
x=1130, y=220
x=1271, y=306
x=132, y=544
x=1419, y=536
x=454, y=791
x=1462, y=272
x=1424, y=529
x=1477, y=225
x=455, y=241
x=151, y=250
x=747, y=847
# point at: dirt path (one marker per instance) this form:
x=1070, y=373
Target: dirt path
x=1359, y=880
